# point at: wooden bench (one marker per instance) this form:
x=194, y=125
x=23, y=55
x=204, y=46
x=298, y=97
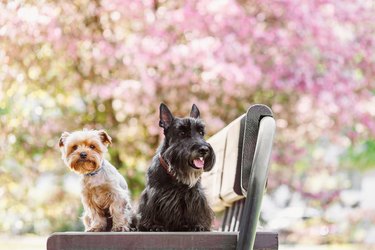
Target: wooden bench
x=235, y=185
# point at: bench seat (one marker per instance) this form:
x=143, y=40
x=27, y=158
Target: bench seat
x=156, y=240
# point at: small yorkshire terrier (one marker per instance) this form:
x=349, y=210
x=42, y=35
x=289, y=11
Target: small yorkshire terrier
x=105, y=193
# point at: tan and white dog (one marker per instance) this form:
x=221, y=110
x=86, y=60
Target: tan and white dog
x=105, y=195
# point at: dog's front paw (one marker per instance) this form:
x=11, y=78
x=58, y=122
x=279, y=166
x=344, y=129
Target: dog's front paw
x=96, y=229
x=199, y=228
x=120, y=229
x=156, y=228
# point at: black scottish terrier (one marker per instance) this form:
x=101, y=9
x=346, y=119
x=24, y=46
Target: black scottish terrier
x=173, y=199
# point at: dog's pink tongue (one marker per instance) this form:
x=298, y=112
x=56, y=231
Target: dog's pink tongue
x=199, y=163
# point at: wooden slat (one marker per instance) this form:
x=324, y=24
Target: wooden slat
x=234, y=217
x=232, y=162
x=239, y=204
x=223, y=223
x=228, y=219
x=155, y=240
x=211, y=180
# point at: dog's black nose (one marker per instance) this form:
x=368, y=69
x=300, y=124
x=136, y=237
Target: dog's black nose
x=83, y=155
x=203, y=150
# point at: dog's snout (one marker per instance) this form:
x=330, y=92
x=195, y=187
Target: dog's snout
x=203, y=150
x=83, y=155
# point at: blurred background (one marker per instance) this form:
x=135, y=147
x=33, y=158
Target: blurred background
x=68, y=65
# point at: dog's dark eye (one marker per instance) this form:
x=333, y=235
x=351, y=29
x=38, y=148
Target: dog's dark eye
x=74, y=147
x=201, y=133
x=92, y=146
x=182, y=133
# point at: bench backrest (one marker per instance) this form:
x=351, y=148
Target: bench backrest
x=243, y=151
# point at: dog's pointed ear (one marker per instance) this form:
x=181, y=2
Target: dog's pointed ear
x=194, y=113
x=105, y=138
x=166, y=116
x=63, y=138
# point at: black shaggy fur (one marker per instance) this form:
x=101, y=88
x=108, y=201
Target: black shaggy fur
x=175, y=201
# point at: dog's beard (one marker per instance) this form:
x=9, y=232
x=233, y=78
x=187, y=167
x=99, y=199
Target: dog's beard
x=84, y=166
x=182, y=163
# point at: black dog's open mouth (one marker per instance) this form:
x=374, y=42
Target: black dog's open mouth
x=198, y=163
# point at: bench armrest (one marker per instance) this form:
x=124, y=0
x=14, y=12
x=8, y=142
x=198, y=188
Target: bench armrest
x=256, y=183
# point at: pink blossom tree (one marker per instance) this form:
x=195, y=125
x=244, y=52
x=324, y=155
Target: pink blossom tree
x=109, y=63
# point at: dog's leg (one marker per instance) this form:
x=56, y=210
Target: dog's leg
x=86, y=221
x=120, y=212
x=98, y=222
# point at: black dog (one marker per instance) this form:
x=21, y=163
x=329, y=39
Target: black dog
x=173, y=199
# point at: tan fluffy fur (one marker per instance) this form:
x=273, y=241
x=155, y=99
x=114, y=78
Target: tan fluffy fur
x=103, y=194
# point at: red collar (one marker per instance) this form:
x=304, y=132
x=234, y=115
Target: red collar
x=166, y=167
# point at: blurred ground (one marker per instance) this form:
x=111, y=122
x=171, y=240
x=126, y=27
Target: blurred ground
x=23, y=242
x=325, y=247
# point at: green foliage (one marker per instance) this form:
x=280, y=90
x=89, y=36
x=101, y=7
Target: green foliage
x=360, y=156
